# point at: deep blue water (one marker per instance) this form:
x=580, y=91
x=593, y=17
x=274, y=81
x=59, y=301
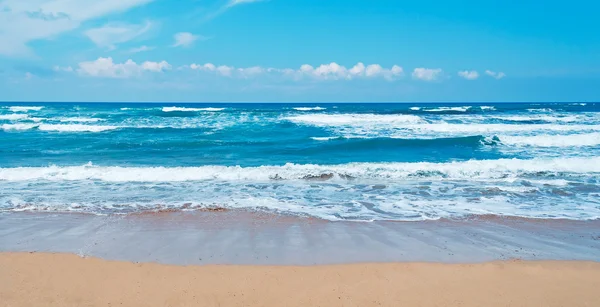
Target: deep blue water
x=334, y=161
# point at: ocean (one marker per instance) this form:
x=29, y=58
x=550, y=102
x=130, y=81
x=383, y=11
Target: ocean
x=332, y=161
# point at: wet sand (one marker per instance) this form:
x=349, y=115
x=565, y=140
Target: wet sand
x=252, y=238
x=36, y=279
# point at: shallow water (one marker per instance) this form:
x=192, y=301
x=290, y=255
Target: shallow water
x=357, y=162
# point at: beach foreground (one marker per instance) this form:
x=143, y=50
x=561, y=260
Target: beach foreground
x=45, y=279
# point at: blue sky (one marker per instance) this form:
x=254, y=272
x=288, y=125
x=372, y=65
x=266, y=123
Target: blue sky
x=299, y=50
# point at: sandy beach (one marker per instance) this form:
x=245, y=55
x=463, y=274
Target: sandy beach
x=250, y=259
x=44, y=279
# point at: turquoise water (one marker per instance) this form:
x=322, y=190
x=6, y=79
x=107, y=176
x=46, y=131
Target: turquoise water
x=332, y=161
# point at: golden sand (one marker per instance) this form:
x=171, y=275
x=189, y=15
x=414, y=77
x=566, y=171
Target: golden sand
x=68, y=280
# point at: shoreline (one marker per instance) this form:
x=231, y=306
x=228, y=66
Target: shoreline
x=254, y=238
x=35, y=279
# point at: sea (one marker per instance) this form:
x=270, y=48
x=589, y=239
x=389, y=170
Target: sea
x=356, y=162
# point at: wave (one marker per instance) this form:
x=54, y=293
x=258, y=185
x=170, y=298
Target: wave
x=546, y=118
x=24, y=109
x=80, y=120
x=183, y=109
x=309, y=109
x=451, y=110
x=575, y=140
x=400, y=125
x=324, y=138
x=446, y=109
x=546, y=110
x=495, y=128
x=59, y=128
x=506, y=169
x=8, y=127
x=349, y=119
x=75, y=128
x=13, y=116
x=362, y=142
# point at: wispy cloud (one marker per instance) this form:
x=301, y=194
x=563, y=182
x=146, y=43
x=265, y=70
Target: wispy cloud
x=109, y=35
x=24, y=21
x=230, y=4
x=142, y=48
x=469, y=74
x=496, y=75
x=233, y=3
x=186, y=39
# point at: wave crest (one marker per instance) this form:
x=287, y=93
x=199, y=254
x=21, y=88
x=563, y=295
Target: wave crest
x=473, y=169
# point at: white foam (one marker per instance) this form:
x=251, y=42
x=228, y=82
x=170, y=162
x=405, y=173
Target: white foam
x=36, y=119
x=415, y=108
x=350, y=119
x=490, y=108
x=7, y=127
x=13, y=116
x=309, y=109
x=80, y=120
x=546, y=118
x=495, y=128
x=541, y=110
x=574, y=140
x=445, y=109
x=504, y=169
x=125, y=109
x=75, y=128
x=24, y=109
x=182, y=109
x=326, y=138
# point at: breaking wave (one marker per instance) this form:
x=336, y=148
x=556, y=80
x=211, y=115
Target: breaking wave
x=24, y=109
x=473, y=169
x=183, y=109
x=309, y=109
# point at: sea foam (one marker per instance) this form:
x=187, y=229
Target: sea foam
x=13, y=117
x=182, y=109
x=473, y=169
x=24, y=109
x=573, y=140
x=309, y=109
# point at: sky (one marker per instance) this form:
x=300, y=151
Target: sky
x=299, y=50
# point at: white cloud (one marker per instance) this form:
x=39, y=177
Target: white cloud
x=205, y=67
x=357, y=70
x=250, y=71
x=23, y=21
x=375, y=70
x=225, y=70
x=109, y=35
x=186, y=39
x=493, y=74
x=469, y=74
x=331, y=71
x=335, y=71
x=105, y=67
x=156, y=66
x=426, y=74
x=142, y=48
